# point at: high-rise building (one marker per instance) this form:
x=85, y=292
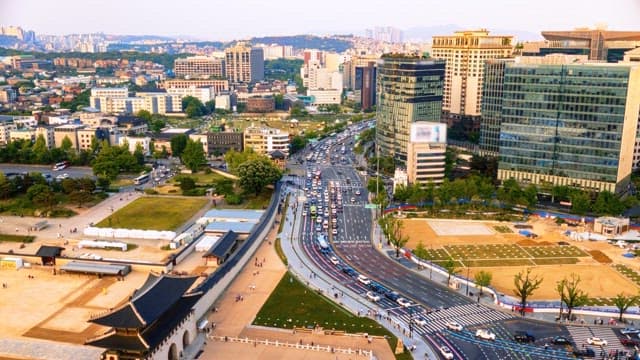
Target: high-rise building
x=571, y=124
x=385, y=33
x=409, y=90
x=597, y=44
x=366, y=84
x=349, y=68
x=492, y=105
x=244, y=64
x=465, y=53
x=199, y=66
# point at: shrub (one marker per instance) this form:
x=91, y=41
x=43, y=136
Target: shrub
x=233, y=199
x=62, y=212
x=195, y=192
x=150, y=191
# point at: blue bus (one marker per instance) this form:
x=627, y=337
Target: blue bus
x=323, y=245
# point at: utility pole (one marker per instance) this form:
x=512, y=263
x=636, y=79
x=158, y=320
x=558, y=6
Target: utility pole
x=468, y=280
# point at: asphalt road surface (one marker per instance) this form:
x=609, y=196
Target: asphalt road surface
x=73, y=171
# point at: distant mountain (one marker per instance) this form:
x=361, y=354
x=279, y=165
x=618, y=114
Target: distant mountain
x=306, y=42
x=134, y=38
x=426, y=33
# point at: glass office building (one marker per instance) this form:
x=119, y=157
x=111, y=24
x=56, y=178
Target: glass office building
x=409, y=90
x=569, y=124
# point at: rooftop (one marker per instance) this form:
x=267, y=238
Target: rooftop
x=237, y=227
x=234, y=214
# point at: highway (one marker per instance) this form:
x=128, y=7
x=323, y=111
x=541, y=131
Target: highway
x=335, y=190
x=73, y=171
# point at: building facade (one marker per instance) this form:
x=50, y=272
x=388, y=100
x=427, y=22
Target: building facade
x=203, y=94
x=218, y=86
x=426, y=154
x=261, y=104
x=569, y=124
x=465, y=53
x=244, y=64
x=199, y=66
x=366, y=83
x=492, y=105
x=264, y=140
x=410, y=90
x=221, y=142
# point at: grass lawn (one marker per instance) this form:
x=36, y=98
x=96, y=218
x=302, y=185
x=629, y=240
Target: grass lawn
x=252, y=202
x=122, y=181
x=555, y=261
x=292, y=304
x=498, y=262
x=154, y=213
x=16, y=238
x=201, y=178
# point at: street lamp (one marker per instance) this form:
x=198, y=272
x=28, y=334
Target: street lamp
x=468, y=280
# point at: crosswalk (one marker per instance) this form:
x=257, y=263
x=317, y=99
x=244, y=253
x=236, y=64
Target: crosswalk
x=581, y=333
x=465, y=315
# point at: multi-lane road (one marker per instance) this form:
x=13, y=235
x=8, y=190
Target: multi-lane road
x=336, y=234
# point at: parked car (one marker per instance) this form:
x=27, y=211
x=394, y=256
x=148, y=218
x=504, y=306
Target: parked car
x=452, y=325
x=596, y=341
x=523, y=336
x=446, y=352
x=373, y=296
x=485, y=334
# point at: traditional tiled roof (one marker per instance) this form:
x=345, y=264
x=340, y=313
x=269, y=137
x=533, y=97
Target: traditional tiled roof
x=223, y=245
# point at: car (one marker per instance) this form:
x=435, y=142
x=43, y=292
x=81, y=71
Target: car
x=629, y=331
x=353, y=199
x=586, y=352
x=561, y=340
x=392, y=295
x=630, y=342
x=446, y=352
x=452, y=325
x=524, y=337
x=62, y=176
x=334, y=260
x=357, y=192
x=373, y=296
x=403, y=302
x=485, y=334
x=420, y=321
x=334, y=231
x=363, y=279
x=596, y=341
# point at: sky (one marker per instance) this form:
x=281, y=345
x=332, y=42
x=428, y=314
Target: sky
x=238, y=19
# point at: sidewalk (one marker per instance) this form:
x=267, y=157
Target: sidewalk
x=233, y=317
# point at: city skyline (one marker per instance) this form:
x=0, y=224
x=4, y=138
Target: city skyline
x=257, y=18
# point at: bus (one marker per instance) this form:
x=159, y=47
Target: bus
x=323, y=245
x=314, y=210
x=142, y=179
x=61, y=166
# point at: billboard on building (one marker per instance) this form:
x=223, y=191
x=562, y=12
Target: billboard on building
x=428, y=132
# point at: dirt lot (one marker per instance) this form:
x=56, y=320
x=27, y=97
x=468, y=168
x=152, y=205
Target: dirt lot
x=591, y=272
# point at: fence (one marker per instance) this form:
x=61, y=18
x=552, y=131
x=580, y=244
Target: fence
x=297, y=345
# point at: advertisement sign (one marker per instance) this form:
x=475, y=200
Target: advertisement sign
x=428, y=132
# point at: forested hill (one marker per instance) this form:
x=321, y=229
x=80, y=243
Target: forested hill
x=306, y=42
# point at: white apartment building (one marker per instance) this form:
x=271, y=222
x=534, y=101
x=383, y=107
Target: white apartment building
x=223, y=102
x=22, y=134
x=325, y=97
x=203, y=94
x=155, y=103
x=426, y=153
x=6, y=127
x=133, y=141
x=119, y=92
x=264, y=140
x=199, y=66
x=272, y=52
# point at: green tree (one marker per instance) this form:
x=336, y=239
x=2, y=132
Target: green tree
x=235, y=158
x=223, y=186
x=145, y=115
x=42, y=196
x=392, y=230
x=525, y=284
x=210, y=107
x=6, y=187
x=40, y=151
x=483, y=279
x=178, y=143
x=139, y=154
x=624, y=302
x=421, y=251
x=186, y=183
x=451, y=267
x=279, y=101
x=298, y=143
x=256, y=174
x=193, y=155
x=66, y=145
x=571, y=294
x=80, y=197
x=580, y=202
x=608, y=203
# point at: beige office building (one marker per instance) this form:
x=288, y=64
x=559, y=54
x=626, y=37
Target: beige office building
x=426, y=153
x=264, y=140
x=466, y=53
x=244, y=64
x=199, y=66
x=217, y=85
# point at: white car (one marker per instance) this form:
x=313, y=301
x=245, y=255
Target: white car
x=452, y=325
x=420, y=321
x=334, y=260
x=446, y=352
x=373, y=296
x=334, y=231
x=357, y=192
x=485, y=334
x=363, y=279
x=353, y=199
x=597, y=341
x=403, y=302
